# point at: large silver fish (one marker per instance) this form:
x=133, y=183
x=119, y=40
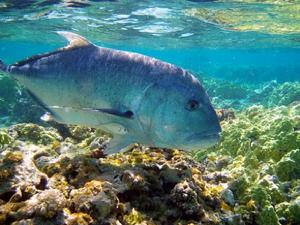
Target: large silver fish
x=135, y=97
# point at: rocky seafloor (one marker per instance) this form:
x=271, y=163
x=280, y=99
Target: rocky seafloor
x=50, y=179
x=55, y=175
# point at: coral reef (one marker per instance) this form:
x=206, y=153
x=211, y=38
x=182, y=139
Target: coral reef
x=4, y=138
x=285, y=94
x=225, y=89
x=48, y=179
x=273, y=94
x=228, y=94
x=62, y=176
x=260, y=157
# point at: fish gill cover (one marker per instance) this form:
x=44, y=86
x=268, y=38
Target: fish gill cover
x=246, y=54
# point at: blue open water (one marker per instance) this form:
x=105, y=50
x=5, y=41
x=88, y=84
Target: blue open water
x=247, y=43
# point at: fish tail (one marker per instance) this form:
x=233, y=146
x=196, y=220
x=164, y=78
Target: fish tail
x=3, y=66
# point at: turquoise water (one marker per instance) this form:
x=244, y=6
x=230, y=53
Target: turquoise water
x=247, y=55
x=245, y=43
x=160, y=29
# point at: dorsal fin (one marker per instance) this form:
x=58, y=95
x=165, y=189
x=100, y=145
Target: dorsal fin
x=75, y=40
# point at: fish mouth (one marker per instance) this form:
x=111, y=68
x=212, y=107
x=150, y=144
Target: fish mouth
x=204, y=136
x=202, y=140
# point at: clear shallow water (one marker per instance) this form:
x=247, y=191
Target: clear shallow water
x=176, y=31
x=164, y=23
x=246, y=54
x=167, y=30
x=248, y=43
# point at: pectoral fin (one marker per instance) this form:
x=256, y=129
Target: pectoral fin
x=126, y=114
x=116, y=112
x=118, y=144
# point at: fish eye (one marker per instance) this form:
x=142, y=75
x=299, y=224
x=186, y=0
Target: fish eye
x=192, y=105
x=129, y=114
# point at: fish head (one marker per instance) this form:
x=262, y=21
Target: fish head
x=183, y=116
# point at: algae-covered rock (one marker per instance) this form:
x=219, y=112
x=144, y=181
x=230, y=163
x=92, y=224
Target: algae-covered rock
x=242, y=180
x=225, y=89
x=95, y=198
x=4, y=138
x=294, y=210
x=185, y=196
x=289, y=166
x=50, y=179
x=135, y=217
x=261, y=133
x=262, y=148
x=268, y=216
x=35, y=134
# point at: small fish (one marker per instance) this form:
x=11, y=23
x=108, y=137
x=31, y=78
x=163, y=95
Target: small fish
x=138, y=99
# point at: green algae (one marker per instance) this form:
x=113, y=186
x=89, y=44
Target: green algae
x=36, y=134
x=4, y=138
x=262, y=133
x=294, y=210
x=268, y=216
x=263, y=149
x=288, y=167
x=135, y=217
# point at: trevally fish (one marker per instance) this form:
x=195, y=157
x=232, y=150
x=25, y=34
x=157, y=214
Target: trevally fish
x=138, y=99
